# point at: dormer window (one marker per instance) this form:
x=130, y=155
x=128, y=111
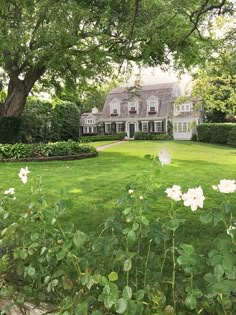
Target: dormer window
x=133, y=107
x=115, y=107
x=182, y=108
x=90, y=121
x=152, y=105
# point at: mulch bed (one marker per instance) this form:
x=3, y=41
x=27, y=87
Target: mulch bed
x=54, y=158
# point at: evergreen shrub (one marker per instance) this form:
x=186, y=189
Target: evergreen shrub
x=214, y=132
x=232, y=136
x=139, y=135
x=118, y=136
x=9, y=129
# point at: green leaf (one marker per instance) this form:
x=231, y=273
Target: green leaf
x=188, y=249
x=140, y=295
x=219, y=271
x=60, y=255
x=81, y=309
x=31, y=271
x=34, y=237
x=131, y=237
x=127, y=211
x=113, y=276
x=197, y=293
x=127, y=265
x=80, y=239
x=206, y=217
x=43, y=250
x=228, y=262
x=23, y=254
x=173, y=224
x=121, y=306
x=54, y=282
x=47, y=279
x=127, y=293
x=190, y=302
x=97, y=312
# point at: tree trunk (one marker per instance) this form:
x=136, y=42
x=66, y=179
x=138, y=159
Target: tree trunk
x=16, y=99
x=18, y=91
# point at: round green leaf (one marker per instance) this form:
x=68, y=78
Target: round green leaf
x=127, y=293
x=127, y=265
x=121, y=306
x=31, y=271
x=113, y=276
x=190, y=302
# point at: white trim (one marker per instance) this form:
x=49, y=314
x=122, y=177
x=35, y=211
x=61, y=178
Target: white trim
x=133, y=103
x=127, y=123
x=115, y=106
x=107, y=124
x=147, y=124
x=152, y=101
x=90, y=121
x=155, y=126
x=117, y=124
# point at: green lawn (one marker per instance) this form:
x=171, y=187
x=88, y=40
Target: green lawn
x=93, y=186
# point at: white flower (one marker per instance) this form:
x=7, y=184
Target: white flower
x=226, y=186
x=10, y=191
x=141, y=197
x=164, y=157
x=23, y=174
x=130, y=191
x=231, y=228
x=174, y=192
x=194, y=198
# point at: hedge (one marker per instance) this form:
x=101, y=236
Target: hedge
x=214, y=132
x=118, y=136
x=64, y=148
x=9, y=129
x=139, y=135
x=232, y=136
x=43, y=122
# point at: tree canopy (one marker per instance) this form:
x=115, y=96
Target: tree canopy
x=71, y=43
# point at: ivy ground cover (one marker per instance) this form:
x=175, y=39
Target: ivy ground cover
x=91, y=187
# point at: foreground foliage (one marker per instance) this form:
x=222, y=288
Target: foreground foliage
x=134, y=266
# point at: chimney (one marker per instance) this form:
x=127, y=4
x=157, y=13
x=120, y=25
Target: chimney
x=137, y=82
x=94, y=110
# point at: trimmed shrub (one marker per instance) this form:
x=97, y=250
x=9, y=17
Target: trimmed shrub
x=232, y=136
x=9, y=129
x=118, y=136
x=41, y=122
x=214, y=133
x=22, y=150
x=139, y=135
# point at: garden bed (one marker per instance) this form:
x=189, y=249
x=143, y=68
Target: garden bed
x=54, y=158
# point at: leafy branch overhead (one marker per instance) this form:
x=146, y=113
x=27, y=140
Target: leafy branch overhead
x=71, y=42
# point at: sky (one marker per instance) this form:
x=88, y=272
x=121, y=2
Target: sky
x=156, y=75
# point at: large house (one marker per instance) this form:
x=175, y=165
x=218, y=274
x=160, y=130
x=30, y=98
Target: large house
x=147, y=108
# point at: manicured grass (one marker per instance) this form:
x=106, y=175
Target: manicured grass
x=93, y=186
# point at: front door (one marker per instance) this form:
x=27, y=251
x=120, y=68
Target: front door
x=131, y=130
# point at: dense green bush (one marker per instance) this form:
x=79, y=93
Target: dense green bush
x=43, y=122
x=139, y=135
x=232, y=136
x=21, y=150
x=118, y=136
x=135, y=266
x=9, y=129
x=214, y=133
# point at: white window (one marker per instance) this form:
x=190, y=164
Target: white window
x=152, y=104
x=182, y=127
x=90, y=121
x=158, y=126
x=185, y=107
x=132, y=106
x=115, y=107
x=107, y=127
x=144, y=126
x=119, y=127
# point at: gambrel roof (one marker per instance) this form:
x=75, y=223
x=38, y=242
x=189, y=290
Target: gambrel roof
x=165, y=94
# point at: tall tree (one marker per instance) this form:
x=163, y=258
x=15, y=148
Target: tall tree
x=70, y=42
